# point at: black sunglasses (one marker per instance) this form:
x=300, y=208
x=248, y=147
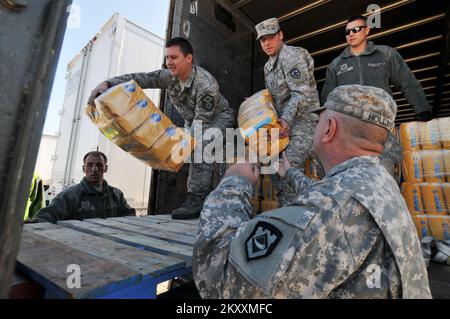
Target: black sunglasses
x=355, y=29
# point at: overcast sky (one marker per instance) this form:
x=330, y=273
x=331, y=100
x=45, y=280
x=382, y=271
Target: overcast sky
x=93, y=14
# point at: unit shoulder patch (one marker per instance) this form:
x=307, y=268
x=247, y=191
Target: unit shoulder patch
x=262, y=241
x=208, y=102
x=295, y=73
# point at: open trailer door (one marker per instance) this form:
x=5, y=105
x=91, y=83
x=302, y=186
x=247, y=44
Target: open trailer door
x=31, y=38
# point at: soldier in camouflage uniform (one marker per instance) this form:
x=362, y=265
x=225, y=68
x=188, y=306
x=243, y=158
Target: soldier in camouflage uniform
x=196, y=95
x=364, y=63
x=348, y=235
x=93, y=197
x=289, y=77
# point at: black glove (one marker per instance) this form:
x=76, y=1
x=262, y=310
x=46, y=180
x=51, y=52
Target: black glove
x=424, y=116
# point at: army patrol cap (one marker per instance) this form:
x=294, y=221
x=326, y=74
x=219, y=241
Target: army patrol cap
x=269, y=26
x=367, y=103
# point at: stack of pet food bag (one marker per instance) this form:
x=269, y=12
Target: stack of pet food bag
x=426, y=173
x=265, y=197
x=128, y=118
x=256, y=119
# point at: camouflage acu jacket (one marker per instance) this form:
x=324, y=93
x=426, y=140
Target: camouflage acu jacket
x=347, y=236
x=199, y=98
x=290, y=79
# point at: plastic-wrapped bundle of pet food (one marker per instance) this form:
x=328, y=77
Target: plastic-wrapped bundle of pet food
x=258, y=124
x=128, y=118
x=429, y=205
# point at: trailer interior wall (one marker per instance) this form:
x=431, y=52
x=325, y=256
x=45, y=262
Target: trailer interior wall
x=221, y=32
x=120, y=47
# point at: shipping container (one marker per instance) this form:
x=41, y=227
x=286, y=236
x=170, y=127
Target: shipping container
x=119, y=47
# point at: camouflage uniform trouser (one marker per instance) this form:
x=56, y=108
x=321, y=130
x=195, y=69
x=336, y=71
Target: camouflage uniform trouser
x=300, y=148
x=391, y=158
x=201, y=175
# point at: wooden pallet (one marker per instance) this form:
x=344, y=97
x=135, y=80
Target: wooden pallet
x=117, y=257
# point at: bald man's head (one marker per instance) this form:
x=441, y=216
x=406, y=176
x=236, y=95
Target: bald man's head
x=358, y=131
x=340, y=137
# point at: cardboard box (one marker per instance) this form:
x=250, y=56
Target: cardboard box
x=121, y=98
x=173, y=137
x=152, y=128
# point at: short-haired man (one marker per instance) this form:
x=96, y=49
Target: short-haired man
x=289, y=77
x=349, y=235
x=364, y=63
x=93, y=197
x=196, y=95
